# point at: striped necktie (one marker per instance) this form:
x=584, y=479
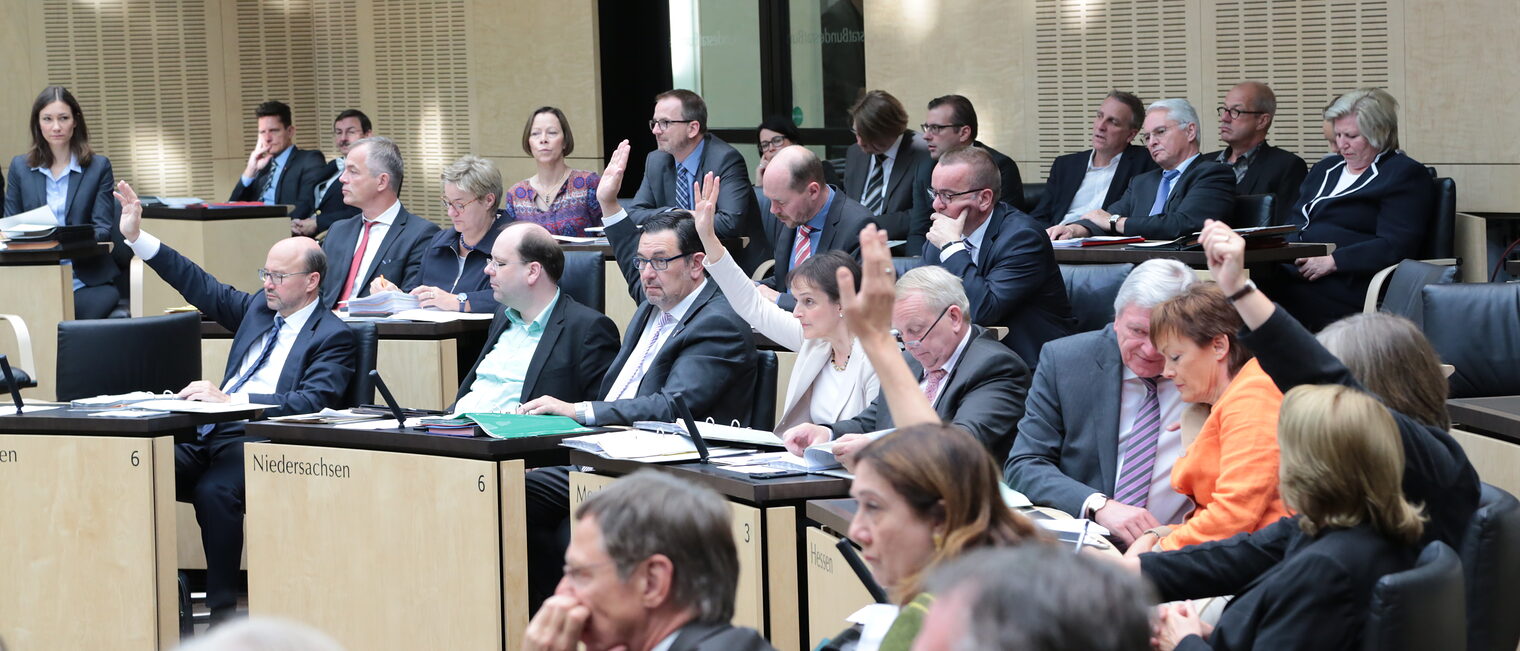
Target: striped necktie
x=683, y=188
x=802, y=248
x=875, y=187
x=1138, y=453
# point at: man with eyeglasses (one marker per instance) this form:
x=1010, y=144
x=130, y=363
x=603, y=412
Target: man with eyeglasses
x=1260, y=168
x=685, y=152
x=684, y=338
x=349, y=127
x=1087, y=180
x=1003, y=258
x=384, y=239
x=285, y=352
x=949, y=125
x=1170, y=202
x=973, y=381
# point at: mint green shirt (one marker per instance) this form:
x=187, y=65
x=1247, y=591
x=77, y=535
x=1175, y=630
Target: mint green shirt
x=499, y=379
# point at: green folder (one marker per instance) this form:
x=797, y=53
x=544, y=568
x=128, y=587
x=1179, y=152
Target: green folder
x=513, y=426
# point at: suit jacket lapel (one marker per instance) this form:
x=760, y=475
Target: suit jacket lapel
x=1108, y=378
x=298, y=352
x=72, y=204
x=900, y=163
x=552, y=329
x=391, y=235
x=831, y=226
x=630, y=341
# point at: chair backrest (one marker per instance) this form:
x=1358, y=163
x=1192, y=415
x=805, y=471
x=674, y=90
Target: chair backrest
x=584, y=279
x=903, y=265
x=361, y=389
x=1491, y=560
x=764, y=414
x=1253, y=210
x=1440, y=242
x=1421, y=608
x=1476, y=328
x=1091, y=289
x=1033, y=193
x=109, y=356
x=1404, y=296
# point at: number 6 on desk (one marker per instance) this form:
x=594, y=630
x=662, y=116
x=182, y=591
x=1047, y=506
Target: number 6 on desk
x=135, y=460
x=480, y=484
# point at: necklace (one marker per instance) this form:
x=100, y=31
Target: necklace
x=837, y=366
x=543, y=196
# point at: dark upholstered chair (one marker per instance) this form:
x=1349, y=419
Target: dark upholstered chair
x=1419, y=609
x=1033, y=193
x=903, y=265
x=1491, y=560
x=584, y=279
x=764, y=414
x=1441, y=241
x=1091, y=289
x=110, y=356
x=1405, y=282
x=1252, y=210
x=361, y=389
x=1476, y=328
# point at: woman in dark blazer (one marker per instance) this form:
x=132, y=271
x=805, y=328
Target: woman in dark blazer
x=1342, y=463
x=1371, y=200
x=453, y=276
x=61, y=172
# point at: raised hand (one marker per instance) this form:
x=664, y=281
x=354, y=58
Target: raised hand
x=131, y=212
x=612, y=180
x=1226, y=253
x=705, y=206
x=869, y=311
x=258, y=158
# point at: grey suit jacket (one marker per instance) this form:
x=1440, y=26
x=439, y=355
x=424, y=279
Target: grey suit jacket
x=738, y=215
x=897, y=205
x=718, y=637
x=1205, y=191
x=399, y=257
x=841, y=232
x=1067, y=443
x=983, y=395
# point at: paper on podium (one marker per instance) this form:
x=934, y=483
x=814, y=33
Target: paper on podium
x=389, y=423
x=41, y=217
x=197, y=407
x=1074, y=525
x=440, y=316
x=10, y=410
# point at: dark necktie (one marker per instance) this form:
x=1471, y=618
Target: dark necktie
x=875, y=186
x=266, y=187
x=683, y=188
x=270, y=339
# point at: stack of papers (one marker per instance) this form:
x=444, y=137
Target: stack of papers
x=571, y=239
x=35, y=220
x=431, y=315
x=327, y=417
x=383, y=303
x=503, y=426
x=652, y=447
x=118, y=400
x=195, y=407
x=1100, y=240
x=714, y=432
x=814, y=459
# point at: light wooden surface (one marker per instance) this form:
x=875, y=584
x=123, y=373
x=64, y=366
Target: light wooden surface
x=1470, y=241
x=514, y=551
x=620, y=306
x=1496, y=461
x=785, y=360
x=781, y=578
x=833, y=590
x=421, y=373
x=233, y=250
x=402, y=553
x=88, y=543
x=41, y=295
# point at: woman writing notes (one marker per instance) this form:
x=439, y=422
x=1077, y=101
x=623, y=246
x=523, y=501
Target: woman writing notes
x=453, y=269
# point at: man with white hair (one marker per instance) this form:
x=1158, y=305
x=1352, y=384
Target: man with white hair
x=1094, y=440
x=1170, y=202
x=973, y=381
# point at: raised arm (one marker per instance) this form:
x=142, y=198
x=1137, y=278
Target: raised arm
x=869, y=315
x=763, y=315
x=619, y=227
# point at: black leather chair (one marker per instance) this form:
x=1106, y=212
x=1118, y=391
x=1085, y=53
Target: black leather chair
x=1476, y=328
x=1419, y=609
x=764, y=414
x=1091, y=289
x=20, y=361
x=1441, y=241
x=583, y=279
x=1033, y=193
x=361, y=389
x=108, y=356
x=1491, y=560
x=903, y=265
x=1253, y=210
x=1403, y=296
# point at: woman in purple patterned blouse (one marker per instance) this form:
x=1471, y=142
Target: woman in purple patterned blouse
x=560, y=199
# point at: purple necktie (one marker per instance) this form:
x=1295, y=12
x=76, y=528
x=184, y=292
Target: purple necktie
x=1138, y=455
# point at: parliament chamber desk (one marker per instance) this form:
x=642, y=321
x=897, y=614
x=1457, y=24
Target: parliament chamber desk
x=231, y=243
x=40, y=290
x=422, y=363
x=1121, y=253
x=1489, y=431
x=767, y=530
x=87, y=529
x=390, y=539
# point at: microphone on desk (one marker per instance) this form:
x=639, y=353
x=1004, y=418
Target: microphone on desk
x=679, y=406
x=852, y=558
x=10, y=382
x=390, y=400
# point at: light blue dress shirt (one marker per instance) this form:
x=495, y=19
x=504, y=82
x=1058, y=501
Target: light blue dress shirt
x=58, y=196
x=274, y=183
x=499, y=379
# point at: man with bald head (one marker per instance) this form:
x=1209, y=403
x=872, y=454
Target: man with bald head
x=285, y=352
x=1260, y=168
x=810, y=216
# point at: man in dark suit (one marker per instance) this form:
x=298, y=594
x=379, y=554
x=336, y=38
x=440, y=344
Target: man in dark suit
x=973, y=381
x=1170, y=202
x=687, y=152
x=684, y=338
x=879, y=169
x=802, y=202
x=286, y=352
x=1089, y=390
x=278, y=172
x=950, y=125
x=1088, y=180
x=653, y=565
x=1259, y=168
x=350, y=127
x=384, y=239
x=1003, y=258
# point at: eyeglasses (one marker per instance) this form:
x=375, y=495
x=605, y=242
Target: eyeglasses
x=493, y=263
x=275, y=277
x=1147, y=137
x=661, y=125
x=659, y=264
x=581, y=574
x=774, y=143
x=904, y=344
x=1235, y=113
x=935, y=128
x=458, y=207
x=946, y=195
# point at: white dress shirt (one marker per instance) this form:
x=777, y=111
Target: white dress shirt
x=376, y=236
x=631, y=364
x=1094, y=188
x=1169, y=506
x=322, y=187
x=267, y=378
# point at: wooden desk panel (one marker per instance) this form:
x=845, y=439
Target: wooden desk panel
x=833, y=590
x=88, y=542
x=232, y=249
x=42, y=295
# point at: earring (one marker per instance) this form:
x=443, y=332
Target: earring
x=939, y=540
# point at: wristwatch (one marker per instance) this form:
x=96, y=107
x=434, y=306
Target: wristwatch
x=1113, y=223
x=1098, y=505
x=463, y=298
